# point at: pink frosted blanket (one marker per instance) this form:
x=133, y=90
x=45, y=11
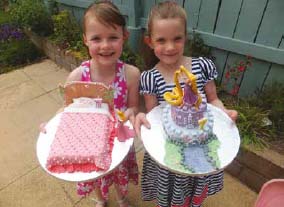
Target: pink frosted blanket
x=83, y=142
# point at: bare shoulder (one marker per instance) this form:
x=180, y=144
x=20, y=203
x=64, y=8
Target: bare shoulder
x=132, y=73
x=75, y=75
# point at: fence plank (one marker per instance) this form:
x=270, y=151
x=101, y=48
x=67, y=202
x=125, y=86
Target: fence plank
x=77, y=3
x=228, y=17
x=271, y=29
x=249, y=20
x=247, y=27
x=208, y=15
x=147, y=5
x=277, y=71
x=220, y=58
x=192, y=9
x=254, y=77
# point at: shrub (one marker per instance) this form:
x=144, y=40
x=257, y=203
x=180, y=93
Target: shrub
x=14, y=53
x=67, y=33
x=128, y=56
x=32, y=14
x=195, y=47
x=252, y=121
x=10, y=32
x=272, y=98
x=3, y=4
x=4, y=17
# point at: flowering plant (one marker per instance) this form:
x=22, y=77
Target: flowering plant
x=9, y=32
x=234, y=75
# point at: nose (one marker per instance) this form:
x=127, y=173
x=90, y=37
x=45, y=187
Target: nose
x=105, y=43
x=170, y=46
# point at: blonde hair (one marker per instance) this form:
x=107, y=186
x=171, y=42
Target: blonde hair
x=166, y=10
x=106, y=13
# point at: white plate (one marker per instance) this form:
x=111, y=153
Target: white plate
x=119, y=152
x=224, y=128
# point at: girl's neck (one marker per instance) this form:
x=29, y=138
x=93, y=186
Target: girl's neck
x=170, y=67
x=103, y=74
x=168, y=70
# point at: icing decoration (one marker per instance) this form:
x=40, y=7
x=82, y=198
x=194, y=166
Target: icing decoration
x=124, y=132
x=121, y=116
x=202, y=123
x=188, y=124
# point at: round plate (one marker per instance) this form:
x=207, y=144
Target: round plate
x=119, y=152
x=224, y=128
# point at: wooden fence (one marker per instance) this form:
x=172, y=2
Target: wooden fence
x=232, y=28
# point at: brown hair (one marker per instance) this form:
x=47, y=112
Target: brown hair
x=163, y=10
x=166, y=10
x=106, y=13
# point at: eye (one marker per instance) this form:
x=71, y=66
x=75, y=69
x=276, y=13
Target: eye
x=113, y=37
x=160, y=40
x=95, y=39
x=178, y=38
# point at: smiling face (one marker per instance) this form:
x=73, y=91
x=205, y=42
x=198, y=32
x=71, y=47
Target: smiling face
x=105, y=42
x=167, y=39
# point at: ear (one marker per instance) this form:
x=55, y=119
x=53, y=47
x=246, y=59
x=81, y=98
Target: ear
x=125, y=35
x=147, y=40
x=85, y=40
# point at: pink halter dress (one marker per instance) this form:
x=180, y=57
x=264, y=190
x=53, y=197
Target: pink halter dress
x=128, y=169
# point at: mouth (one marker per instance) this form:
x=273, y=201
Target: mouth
x=170, y=55
x=109, y=54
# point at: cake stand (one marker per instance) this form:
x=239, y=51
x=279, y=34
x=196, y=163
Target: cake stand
x=119, y=152
x=224, y=128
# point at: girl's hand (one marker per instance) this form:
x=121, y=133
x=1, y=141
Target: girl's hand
x=140, y=119
x=42, y=128
x=128, y=115
x=233, y=114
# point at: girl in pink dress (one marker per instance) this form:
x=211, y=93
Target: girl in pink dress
x=104, y=35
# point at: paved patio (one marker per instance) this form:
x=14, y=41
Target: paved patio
x=28, y=97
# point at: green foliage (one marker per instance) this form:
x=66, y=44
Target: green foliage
x=52, y=6
x=272, y=98
x=128, y=56
x=4, y=17
x=251, y=122
x=3, y=4
x=67, y=33
x=32, y=14
x=15, y=53
x=195, y=47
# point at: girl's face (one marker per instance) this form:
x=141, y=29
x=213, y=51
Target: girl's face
x=105, y=43
x=168, y=39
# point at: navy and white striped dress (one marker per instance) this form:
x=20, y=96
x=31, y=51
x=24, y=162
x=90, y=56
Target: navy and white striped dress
x=170, y=189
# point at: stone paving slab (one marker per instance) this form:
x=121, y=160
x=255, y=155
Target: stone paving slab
x=13, y=78
x=33, y=99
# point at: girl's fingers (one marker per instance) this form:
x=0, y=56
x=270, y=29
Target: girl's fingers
x=233, y=114
x=42, y=128
x=140, y=119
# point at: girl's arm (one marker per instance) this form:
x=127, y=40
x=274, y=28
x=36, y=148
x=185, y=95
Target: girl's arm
x=211, y=94
x=132, y=80
x=75, y=75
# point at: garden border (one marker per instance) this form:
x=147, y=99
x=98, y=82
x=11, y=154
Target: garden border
x=252, y=167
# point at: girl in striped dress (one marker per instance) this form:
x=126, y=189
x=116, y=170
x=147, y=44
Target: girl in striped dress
x=166, y=37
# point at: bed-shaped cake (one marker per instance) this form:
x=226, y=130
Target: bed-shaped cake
x=84, y=137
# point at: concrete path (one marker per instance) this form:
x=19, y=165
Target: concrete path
x=28, y=97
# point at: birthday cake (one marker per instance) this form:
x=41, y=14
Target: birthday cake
x=188, y=125
x=186, y=119
x=84, y=138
